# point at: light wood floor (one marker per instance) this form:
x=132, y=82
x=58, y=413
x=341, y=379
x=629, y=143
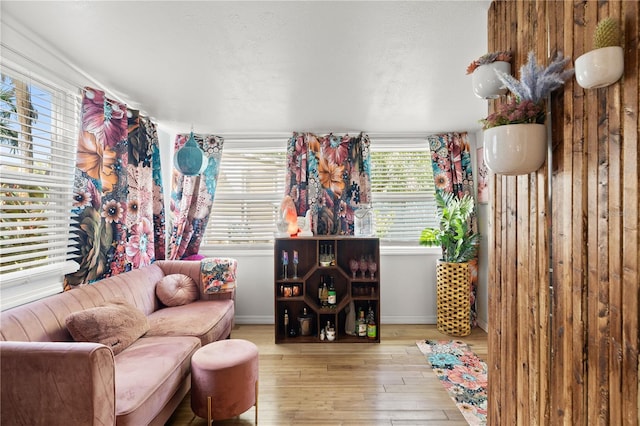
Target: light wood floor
x=331, y=383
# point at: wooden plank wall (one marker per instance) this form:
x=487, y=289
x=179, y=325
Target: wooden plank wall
x=563, y=345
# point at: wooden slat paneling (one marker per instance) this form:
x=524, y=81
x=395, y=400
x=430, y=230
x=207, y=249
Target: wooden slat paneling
x=630, y=101
x=568, y=357
x=573, y=248
x=614, y=231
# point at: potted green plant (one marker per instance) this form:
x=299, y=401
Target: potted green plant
x=604, y=65
x=486, y=84
x=459, y=245
x=515, y=137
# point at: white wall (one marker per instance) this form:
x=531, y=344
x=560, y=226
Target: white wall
x=407, y=286
x=482, y=300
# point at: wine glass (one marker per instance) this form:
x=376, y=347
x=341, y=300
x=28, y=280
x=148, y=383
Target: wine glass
x=363, y=266
x=353, y=265
x=373, y=267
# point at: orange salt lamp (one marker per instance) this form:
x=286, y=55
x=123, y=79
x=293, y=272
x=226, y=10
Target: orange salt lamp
x=290, y=215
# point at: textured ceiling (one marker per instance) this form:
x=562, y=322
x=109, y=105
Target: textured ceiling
x=266, y=67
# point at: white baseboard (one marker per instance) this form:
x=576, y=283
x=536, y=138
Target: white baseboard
x=267, y=319
x=483, y=325
x=254, y=319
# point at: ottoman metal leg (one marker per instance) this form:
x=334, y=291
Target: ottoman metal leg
x=256, y=419
x=210, y=419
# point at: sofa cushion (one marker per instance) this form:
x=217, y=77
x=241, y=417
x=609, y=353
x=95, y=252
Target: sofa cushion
x=177, y=289
x=116, y=324
x=148, y=373
x=209, y=320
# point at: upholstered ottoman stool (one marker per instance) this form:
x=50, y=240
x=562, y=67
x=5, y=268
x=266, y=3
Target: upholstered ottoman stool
x=224, y=379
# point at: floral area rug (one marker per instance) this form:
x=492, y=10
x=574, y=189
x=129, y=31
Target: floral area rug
x=463, y=375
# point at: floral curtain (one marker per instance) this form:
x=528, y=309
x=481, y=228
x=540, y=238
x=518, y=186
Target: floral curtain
x=118, y=202
x=452, y=173
x=192, y=198
x=331, y=176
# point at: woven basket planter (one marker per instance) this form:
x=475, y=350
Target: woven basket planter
x=453, y=298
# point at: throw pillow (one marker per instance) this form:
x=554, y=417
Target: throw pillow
x=116, y=324
x=176, y=290
x=218, y=274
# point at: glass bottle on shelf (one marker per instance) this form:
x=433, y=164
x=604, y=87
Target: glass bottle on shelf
x=372, y=331
x=362, y=324
x=332, y=298
x=324, y=298
x=286, y=321
x=324, y=255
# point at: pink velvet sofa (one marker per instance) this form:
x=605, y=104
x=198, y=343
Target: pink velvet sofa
x=47, y=378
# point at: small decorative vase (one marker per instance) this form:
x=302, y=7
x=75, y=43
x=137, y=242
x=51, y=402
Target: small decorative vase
x=486, y=84
x=515, y=149
x=600, y=68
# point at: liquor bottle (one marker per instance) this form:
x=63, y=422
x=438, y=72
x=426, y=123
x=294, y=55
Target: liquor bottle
x=372, y=330
x=362, y=324
x=324, y=300
x=286, y=322
x=332, y=298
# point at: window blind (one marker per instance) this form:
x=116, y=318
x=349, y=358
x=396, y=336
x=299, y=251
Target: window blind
x=402, y=190
x=249, y=191
x=39, y=128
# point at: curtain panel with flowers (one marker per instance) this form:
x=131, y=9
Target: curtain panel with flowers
x=192, y=198
x=452, y=173
x=118, y=201
x=331, y=176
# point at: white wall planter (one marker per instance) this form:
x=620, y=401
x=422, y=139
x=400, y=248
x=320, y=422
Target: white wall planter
x=486, y=84
x=600, y=67
x=515, y=149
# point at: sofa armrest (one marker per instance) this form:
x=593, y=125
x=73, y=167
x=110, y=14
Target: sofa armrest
x=57, y=383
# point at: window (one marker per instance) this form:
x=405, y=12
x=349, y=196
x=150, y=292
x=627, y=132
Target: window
x=248, y=194
x=251, y=186
x=402, y=190
x=38, y=125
